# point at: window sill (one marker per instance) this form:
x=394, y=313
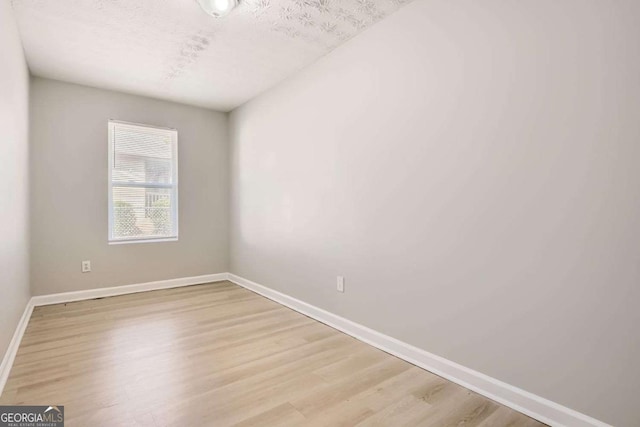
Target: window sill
x=126, y=242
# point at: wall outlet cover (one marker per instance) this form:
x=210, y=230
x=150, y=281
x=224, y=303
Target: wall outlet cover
x=86, y=266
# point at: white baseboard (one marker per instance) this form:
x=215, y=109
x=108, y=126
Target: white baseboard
x=530, y=404
x=127, y=289
x=12, y=350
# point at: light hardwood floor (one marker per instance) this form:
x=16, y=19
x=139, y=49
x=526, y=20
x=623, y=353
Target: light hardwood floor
x=220, y=355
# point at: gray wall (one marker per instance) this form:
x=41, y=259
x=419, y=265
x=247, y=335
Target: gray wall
x=14, y=177
x=472, y=168
x=69, y=190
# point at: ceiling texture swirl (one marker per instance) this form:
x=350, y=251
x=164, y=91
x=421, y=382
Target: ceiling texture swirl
x=171, y=49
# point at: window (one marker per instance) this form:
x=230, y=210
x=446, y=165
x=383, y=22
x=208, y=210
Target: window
x=143, y=183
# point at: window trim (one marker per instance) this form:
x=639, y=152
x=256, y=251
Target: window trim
x=110, y=184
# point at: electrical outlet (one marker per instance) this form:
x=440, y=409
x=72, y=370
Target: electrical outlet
x=86, y=266
x=340, y=285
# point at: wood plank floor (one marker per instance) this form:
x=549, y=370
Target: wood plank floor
x=218, y=354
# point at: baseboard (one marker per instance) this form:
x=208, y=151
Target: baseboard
x=12, y=350
x=127, y=289
x=530, y=404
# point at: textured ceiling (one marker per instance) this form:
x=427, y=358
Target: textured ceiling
x=171, y=49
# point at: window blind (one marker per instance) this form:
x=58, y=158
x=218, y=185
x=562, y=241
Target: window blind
x=143, y=183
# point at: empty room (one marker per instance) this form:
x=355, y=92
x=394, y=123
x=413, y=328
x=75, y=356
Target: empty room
x=320, y=213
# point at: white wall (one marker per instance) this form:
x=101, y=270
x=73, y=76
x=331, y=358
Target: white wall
x=472, y=168
x=69, y=190
x=14, y=177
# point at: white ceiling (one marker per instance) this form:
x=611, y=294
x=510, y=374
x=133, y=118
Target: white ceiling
x=171, y=49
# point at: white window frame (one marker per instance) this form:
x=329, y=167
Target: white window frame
x=173, y=187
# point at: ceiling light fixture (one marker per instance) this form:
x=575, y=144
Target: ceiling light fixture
x=218, y=8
